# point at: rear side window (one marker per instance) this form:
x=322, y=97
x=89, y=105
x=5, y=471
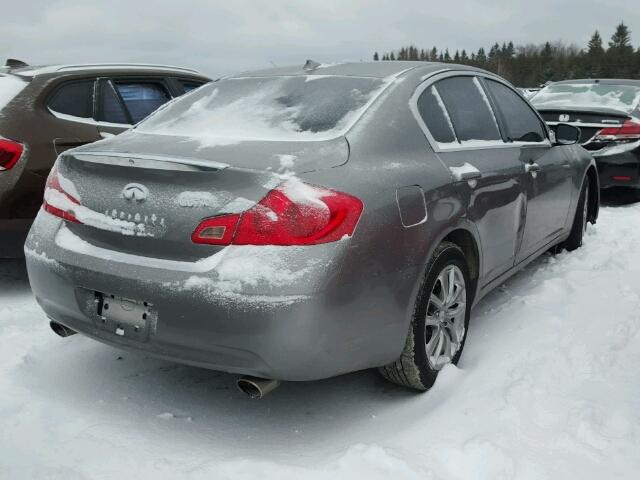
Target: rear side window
x=521, y=124
x=75, y=98
x=469, y=109
x=111, y=109
x=142, y=98
x=435, y=116
x=188, y=85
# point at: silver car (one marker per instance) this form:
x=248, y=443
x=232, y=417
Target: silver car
x=299, y=223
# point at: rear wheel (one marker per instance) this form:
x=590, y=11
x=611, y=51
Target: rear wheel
x=580, y=220
x=439, y=326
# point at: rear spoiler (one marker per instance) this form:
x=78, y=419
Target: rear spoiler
x=597, y=110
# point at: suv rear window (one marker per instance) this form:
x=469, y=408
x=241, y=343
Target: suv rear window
x=268, y=108
x=188, y=85
x=142, y=98
x=75, y=98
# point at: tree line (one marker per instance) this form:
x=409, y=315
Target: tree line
x=532, y=65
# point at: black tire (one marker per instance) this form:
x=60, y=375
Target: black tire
x=580, y=220
x=413, y=369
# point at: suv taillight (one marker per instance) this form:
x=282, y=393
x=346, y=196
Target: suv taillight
x=630, y=130
x=57, y=201
x=295, y=213
x=10, y=153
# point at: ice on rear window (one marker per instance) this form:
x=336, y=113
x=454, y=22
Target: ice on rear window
x=9, y=87
x=271, y=108
x=618, y=97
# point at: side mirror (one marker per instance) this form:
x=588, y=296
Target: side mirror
x=567, y=134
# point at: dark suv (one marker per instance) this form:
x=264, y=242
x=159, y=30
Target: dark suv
x=47, y=110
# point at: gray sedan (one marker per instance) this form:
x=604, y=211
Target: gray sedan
x=304, y=222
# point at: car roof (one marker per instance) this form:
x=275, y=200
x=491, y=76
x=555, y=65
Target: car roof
x=375, y=69
x=31, y=71
x=603, y=81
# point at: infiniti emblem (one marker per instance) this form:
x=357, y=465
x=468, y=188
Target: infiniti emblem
x=563, y=118
x=136, y=192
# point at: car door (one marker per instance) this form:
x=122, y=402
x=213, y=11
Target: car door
x=464, y=132
x=72, y=104
x=548, y=180
x=123, y=101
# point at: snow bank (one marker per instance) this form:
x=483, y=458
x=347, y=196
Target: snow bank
x=548, y=388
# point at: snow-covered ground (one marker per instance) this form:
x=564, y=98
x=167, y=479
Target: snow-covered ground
x=548, y=388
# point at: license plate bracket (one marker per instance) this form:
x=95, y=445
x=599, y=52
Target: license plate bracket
x=125, y=317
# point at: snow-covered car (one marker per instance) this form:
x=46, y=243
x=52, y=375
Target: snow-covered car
x=300, y=223
x=608, y=115
x=45, y=110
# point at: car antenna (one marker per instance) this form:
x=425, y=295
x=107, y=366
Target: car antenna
x=310, y=65
x=15, y=63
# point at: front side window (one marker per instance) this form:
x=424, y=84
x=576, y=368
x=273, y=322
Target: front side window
x=74, y=98
x=142, y=98
x=521, y=124
x=469, y=109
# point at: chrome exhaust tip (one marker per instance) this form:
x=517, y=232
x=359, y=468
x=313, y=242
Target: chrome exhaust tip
x=61, y=330
x=255, y=387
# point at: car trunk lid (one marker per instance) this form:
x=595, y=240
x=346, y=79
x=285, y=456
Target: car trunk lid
x=149, y=203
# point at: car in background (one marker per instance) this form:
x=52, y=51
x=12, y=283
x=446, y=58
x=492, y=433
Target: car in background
x=45, y=110
x=608, y=115
x=300, y=223
x=529, y=92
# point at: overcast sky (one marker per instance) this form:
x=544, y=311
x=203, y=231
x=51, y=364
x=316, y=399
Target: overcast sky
x=220, y=37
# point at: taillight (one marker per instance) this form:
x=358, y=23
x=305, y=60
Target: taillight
x=630, y=130
x=57, y=201
x=295, y=213
x=10, y=153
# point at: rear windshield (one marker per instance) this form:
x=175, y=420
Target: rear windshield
x=270, y=108
x=619, y=97
x=10, y=86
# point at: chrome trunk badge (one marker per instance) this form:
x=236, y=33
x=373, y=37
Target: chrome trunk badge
x=136, y=192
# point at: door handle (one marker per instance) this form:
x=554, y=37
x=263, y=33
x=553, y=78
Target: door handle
x=532, y=167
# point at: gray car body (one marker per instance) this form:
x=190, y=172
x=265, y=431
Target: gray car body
x=346, y=305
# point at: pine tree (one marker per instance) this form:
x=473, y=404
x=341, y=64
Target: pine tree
x=621, y=40
x=594, y=47
x=433, y=56
x=620, y=53
x=481, y=57
x=392, y=56
x=375, y=56
x=464, y=58
x=447, y=57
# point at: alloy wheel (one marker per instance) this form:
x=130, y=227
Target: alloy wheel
x=446, y=314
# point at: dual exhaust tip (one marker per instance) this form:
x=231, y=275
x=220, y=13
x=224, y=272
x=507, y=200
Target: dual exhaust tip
x=253, y=387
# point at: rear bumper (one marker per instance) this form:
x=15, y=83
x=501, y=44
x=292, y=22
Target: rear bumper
x=311, y=326
x=620, y=170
